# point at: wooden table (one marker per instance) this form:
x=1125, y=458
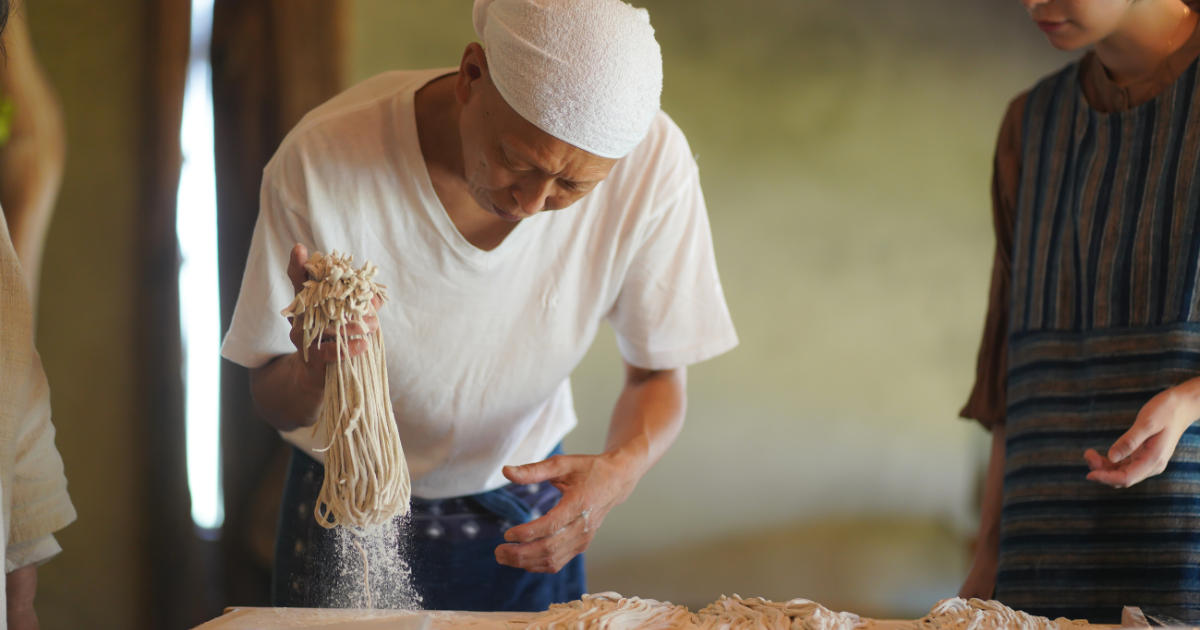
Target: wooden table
x=342, y=619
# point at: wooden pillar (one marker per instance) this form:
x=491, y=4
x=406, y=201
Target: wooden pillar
x=273, y=61
x=178, y=583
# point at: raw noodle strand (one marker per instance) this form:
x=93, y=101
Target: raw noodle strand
x=366, y=475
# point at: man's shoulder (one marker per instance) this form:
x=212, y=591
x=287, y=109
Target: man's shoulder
x=361, y=126
x=664, y=156
x=361, y=109
x=664, y=138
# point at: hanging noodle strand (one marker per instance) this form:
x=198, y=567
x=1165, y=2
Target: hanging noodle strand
x=366, y=476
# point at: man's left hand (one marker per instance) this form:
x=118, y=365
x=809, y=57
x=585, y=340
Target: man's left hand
x=1147, y=447
x=592, y=485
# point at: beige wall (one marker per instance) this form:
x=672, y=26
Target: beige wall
x=845, y=151
x=92, y=52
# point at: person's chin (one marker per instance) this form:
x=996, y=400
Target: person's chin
x=486, y=203
x=505, y=215
x=1069, y=42
x=1066, y=45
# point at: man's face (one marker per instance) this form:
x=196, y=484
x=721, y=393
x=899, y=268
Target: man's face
x=516, y=170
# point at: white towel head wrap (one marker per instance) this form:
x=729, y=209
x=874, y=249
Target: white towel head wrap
x=588, y=72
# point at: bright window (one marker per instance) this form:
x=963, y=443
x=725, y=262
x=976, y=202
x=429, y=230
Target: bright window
x=200, y=316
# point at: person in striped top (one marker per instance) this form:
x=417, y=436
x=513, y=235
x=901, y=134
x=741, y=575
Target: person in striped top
x=1089, y=370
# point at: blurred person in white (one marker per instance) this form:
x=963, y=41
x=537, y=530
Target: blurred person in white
x=511, y=204
x=32, y=149
x=33, y=489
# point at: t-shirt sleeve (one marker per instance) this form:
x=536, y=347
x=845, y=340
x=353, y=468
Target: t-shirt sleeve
x=258, y=332
x=989, y=396
x=37, y=551
x=671, y=310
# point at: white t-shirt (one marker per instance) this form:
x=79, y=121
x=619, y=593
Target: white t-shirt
x=481, y=344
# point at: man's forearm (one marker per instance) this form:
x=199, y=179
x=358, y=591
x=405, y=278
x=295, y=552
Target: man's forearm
x=648, y=416
x=283, y=394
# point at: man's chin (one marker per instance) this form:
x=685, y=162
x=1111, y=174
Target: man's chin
x=485, y=203
x=504, y=215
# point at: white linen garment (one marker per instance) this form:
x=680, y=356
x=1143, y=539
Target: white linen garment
x=481, y=344
x=33, y=488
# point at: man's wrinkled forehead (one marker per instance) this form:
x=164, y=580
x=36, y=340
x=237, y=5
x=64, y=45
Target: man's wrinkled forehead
x=522, y=142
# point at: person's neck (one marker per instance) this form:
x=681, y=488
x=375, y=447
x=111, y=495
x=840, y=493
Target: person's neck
x=438, y=113
x=1152, y=33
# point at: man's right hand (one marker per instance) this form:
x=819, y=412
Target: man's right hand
x=289, y=391
x=318, y=358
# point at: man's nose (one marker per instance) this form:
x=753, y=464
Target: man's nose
x=531, y=195
x=1030, y=5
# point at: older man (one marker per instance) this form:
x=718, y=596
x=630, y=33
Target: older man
x=511, y=204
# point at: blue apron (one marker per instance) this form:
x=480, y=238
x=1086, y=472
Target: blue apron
x=449, y=545
x=1104, y=315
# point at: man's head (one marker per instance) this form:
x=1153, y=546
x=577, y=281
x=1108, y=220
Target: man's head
x=513, y=168
x=559, y=90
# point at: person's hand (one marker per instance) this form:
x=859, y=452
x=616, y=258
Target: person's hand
x=592, y=485
x=1146, y=448
x=318, y=358
x=981, y=581
x=20, y=588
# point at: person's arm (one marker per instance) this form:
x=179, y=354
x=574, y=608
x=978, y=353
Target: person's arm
x=981, y=581
x=648, y=417
x=20, y=589
x=988, y=400
x=288, y=391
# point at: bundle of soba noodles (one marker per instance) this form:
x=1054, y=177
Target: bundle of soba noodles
x=366, y=476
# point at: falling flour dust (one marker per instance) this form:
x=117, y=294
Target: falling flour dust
x=369, y=569
x=365, y=494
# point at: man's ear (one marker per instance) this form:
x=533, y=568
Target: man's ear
x=472, y=69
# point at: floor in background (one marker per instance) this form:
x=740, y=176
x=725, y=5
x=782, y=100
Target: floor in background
x=886, y=569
